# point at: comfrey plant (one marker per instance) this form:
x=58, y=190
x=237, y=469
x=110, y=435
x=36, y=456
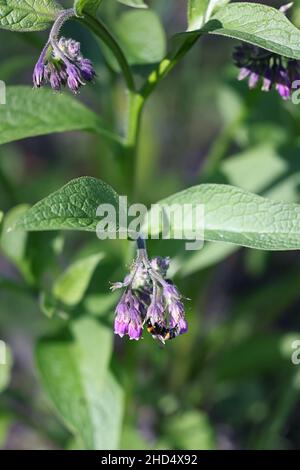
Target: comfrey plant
x=135, y=57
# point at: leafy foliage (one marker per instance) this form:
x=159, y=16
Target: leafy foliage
x=72, y=207
x=75, y=373
x=89, y=6
x=30, y=113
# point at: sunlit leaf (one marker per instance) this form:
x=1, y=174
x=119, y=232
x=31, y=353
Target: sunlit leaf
x=29, y=15
x=258, y=24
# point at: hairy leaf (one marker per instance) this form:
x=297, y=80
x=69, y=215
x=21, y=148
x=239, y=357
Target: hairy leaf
x=71, y=285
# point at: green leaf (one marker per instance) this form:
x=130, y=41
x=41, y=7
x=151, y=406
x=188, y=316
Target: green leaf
x=75, y=373
x=211, y=254
x=30, y=113
x=6, y=421
x=29, y=15
x=88, y=6
x=72, y=207
x=200, y=11
x=13, y=244
x=1, y=216
x=141, y=36
x=72, y=284
x=190, y=430
x=253, y=356
x=236, y=216
x=260, y=25
x=30, y=253
x=134, y=3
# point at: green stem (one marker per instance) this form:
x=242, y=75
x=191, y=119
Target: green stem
x=99, y=28
x=167, y=64
x=131, y=141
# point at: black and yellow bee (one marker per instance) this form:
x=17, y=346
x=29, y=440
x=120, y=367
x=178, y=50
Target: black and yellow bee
x=161, y=332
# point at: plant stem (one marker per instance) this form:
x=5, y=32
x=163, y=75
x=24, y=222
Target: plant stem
x=99, y=28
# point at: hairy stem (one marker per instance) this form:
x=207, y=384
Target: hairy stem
x=100, y=30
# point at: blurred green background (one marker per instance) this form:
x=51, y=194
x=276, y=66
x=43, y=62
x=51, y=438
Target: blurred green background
x=229, y=383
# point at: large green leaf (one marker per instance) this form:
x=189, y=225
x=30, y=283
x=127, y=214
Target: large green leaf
x=196, y=13
x=134, y=3
x=88, y=6
x=141, y=36
x=5, y=365
x=75, y=373
x=240, y=217
x=31, y=113
x=73, y=207
x=258, y=24
x=29, y=15
x=71, y=285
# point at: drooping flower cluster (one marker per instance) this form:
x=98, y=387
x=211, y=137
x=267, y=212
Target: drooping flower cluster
x=267, y=68
x=149, y=298
x=63, y=64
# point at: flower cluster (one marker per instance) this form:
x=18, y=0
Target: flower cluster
x=62, y=64
x=272, y=70
x=149, y=298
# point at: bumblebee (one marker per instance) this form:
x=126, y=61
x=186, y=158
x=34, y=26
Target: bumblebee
x=161, y=332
